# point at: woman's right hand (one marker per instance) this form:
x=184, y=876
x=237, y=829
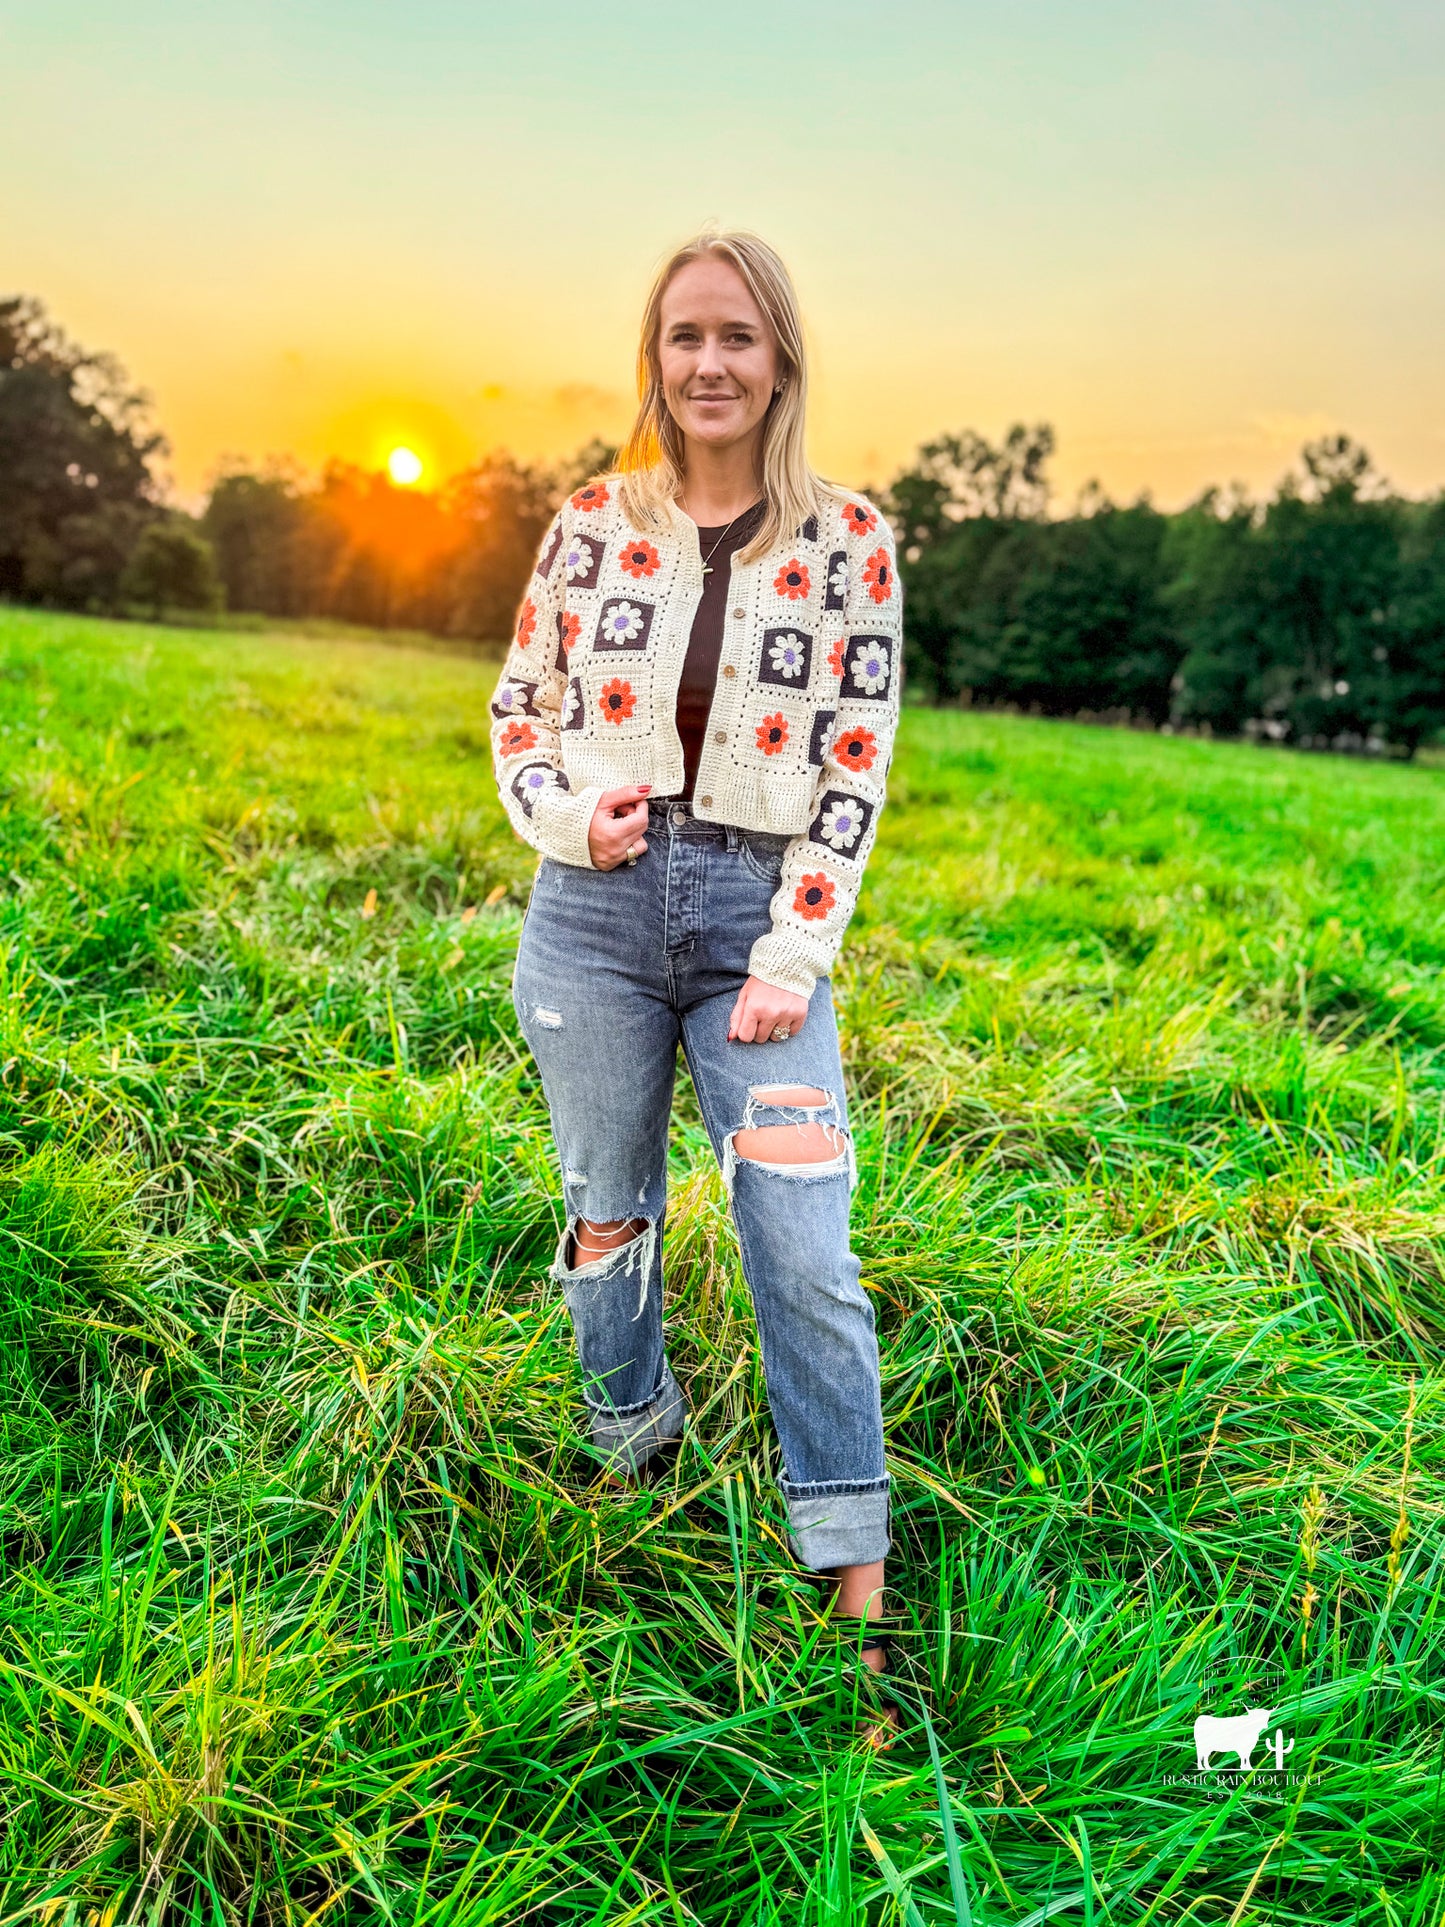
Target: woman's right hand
x=617, y=825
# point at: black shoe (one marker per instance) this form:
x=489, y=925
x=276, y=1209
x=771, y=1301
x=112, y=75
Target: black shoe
x=658, y=1465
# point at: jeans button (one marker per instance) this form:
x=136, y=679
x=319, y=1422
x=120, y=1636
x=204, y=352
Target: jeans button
x=679, y=817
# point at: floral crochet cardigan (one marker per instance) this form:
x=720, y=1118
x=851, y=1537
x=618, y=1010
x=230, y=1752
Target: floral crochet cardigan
x=802, y=720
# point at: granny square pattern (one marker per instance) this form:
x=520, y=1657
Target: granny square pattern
x=514, y=699
x=582, y=560
x=820, y=736
x=842, y=823
x=623, y=624
x=531, y=780
x=802, y=720
x=868, y=669
x=787, y=658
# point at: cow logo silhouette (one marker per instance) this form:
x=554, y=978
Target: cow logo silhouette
x=1239, y=1734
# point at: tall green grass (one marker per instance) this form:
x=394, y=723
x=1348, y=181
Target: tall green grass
x=310, y=1608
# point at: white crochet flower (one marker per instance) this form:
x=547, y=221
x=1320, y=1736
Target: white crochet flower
x=787, y=656
x=838, y=580
x=622, y=622
x=579, y=558
x=869, y=668
x=533, y=782
x=841, y=824
x=507, y=696
x=571, y=703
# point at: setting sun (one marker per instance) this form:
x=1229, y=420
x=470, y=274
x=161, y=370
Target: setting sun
x=404, y=466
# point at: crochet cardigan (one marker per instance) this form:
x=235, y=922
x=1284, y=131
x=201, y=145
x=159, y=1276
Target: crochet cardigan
x=802, y=721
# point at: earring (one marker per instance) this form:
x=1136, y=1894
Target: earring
x=781, y=386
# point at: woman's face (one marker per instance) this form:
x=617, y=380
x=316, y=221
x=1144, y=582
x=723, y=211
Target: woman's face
x=719, y=358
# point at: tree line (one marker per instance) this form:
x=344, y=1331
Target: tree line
x=1316, y=617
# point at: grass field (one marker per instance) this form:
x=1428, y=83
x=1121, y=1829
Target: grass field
x=308, y=1607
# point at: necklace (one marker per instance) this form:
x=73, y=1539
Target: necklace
x=707, y=559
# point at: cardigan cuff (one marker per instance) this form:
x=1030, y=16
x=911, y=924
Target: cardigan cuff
x=560, y=824
x=779, y=959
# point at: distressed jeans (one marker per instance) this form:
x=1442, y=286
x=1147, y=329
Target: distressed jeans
x=615, y=969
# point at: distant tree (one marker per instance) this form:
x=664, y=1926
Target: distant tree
x=959, y=477
x=950, y=509
x=256, y=524
x=1068, y=616
x=592, y=458
x=941, y=586
x=172, y=567
x=75, y=452
x=1214, y=589
x=1407, y=647
x=500, y=509
x=1283, y=609
x=1330, y=546
x=1336, y=466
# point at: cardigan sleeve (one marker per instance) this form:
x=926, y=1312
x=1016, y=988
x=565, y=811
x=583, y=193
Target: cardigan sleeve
x=823, y=867
x=527, y=718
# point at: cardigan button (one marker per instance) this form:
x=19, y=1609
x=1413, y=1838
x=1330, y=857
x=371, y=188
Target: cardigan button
x=706, y=802
x=719, y=735
x=738, y=614
x=728, y=669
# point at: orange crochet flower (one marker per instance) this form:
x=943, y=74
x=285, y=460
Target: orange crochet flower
x=527, y=622
x=792, y=580
x=518, y=736
x=857, y=749
x=640, y=559
x=878, y=574
x=835, y=658
x=596, y=495
x=858, y=520
x=617, y=701
x=568, y=629
x=813, y=898
x=772, y=734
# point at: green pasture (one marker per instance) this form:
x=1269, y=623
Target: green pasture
x=310, y=1610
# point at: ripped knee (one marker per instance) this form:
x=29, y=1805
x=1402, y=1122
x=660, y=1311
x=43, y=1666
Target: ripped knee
x=596, y=1255
x=789, y=1128
x=790, y=1144
x=595, y=1239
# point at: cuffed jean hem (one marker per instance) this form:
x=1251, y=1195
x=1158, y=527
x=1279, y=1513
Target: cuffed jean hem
x=839, y=1528
x=631, y=1436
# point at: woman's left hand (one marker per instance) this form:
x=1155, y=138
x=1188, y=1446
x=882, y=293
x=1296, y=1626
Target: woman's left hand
x=761, y=1009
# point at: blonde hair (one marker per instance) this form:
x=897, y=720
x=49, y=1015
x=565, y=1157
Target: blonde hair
x=650, y=461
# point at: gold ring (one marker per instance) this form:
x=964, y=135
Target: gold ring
x=781, y=1033
x=632, y=856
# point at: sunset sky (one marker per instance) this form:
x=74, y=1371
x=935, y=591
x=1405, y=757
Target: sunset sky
x=1189, y=235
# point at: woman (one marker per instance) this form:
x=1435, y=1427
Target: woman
x=693, y=728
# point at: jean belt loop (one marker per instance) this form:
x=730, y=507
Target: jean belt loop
x=730, y=830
